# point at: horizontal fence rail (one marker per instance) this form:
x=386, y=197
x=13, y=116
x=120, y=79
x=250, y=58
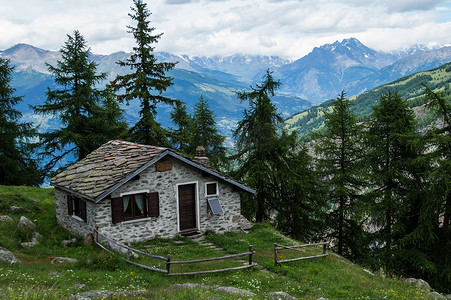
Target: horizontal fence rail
x=128, y=252
x=168, y=258
x=278, y=247
x=250, y=253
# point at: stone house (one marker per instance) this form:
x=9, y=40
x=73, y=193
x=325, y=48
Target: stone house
x=132, y=192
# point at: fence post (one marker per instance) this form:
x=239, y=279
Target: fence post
x=324, y=247
x=275, y=254
x=250, y=255
x=168, y=265
x=97, y=234
x=128, y=251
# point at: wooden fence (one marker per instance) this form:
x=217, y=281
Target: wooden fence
x=168, y=258
x=295, y=248
x=129, y=251
x=250, y=253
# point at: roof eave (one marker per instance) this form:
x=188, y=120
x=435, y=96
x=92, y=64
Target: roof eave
x=73, y=192
x=181, y=158
x=211, y=172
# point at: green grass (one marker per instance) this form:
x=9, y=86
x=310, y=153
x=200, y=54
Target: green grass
x=37, y=278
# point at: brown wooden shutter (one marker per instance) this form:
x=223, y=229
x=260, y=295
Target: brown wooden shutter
x=70, y=207
x=83, y=210
x=117, y=209
x=153, y=204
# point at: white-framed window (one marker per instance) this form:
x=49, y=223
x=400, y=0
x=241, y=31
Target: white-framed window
x=211, y=189
x=135, y=205
x=76, y=207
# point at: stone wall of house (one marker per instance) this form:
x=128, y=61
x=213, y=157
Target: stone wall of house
x=73, y=223
x=165, y=183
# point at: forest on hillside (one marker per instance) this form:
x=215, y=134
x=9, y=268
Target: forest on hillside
x=379, y=189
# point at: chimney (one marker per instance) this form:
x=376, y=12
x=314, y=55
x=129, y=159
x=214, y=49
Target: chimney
x=201, y=157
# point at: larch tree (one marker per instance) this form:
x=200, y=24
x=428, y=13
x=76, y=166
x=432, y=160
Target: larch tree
x=339, y=149
x=16, y=164
x=148, y=79
x=205, y=133
x=390, y=158
x=85, y=112
x=428, y=222
x=259, y=145
x=181, y=136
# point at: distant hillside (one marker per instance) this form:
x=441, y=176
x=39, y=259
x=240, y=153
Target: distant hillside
x=193, y=76
x=408, y=87
x=417, y=62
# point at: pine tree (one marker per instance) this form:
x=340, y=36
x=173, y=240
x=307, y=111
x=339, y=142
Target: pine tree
x=205, y=133
x=340, y=151
x=16, y=165
x=259, y=144
x=427, y=222
x=390, y=158
x=148, y=80
x=181, y=136
x=298, y=195
x=85, y=123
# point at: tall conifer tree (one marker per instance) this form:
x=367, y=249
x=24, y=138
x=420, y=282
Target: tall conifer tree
x=205, y=133
x=181, y=136
x=259, y=144
x=389, y=158
x=148, y=80
x=16, y=165
x=340, y=151
x=78, y=106
x=428, y=222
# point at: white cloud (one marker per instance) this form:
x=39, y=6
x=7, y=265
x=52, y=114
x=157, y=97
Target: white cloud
x=203, y=27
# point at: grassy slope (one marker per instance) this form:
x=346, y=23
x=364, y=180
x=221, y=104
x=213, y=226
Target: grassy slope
x=36, y=278
x=408, y=87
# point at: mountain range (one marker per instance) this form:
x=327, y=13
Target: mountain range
x=317, y=77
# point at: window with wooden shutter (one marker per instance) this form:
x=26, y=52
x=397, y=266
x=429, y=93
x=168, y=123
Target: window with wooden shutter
x=83, y=210
x=153, y=204
x=76, y=207
x=117, y=210
x=70, y=207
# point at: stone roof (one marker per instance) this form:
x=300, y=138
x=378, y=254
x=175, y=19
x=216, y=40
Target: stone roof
x=113, y=163
x=104, y=167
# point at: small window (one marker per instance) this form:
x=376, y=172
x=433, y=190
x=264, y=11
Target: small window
x=215, y=206
x=211, y=189
x=134, y=206
x=76, y=207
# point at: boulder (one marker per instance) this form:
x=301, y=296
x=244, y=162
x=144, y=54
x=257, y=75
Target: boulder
x=25, y=223
x=235, y=291
x=8, y=257
x=16, y=209
x=29, y=244
x=64, y=260
x=280, y=296
x=89, y=240
x=190, y=286
x=106, y=294
x=79, y=287
x=6, y=219
x=68, y=243
x=419, y=283
x=435, y=295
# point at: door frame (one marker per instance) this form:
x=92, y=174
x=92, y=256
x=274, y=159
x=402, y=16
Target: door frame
x=196, y=202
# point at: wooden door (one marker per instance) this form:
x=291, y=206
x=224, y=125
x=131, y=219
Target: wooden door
x=187, y=206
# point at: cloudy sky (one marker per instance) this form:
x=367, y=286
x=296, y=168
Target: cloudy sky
x=288, y=28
